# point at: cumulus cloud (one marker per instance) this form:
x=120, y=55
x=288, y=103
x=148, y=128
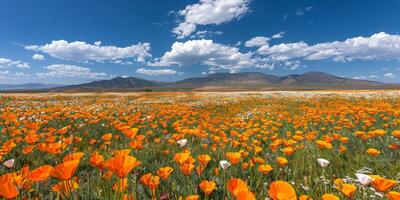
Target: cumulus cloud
x=209, y=12
x=379, y=46
x=278, y=35
x=155, y=72
x=208, y=53
x=64, y=70
x=257, y=41
x=8, y=63
x=389, y=75
x=82, y=51
x=38, y=57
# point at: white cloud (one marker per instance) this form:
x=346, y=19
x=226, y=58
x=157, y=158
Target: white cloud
x=208, y=53
x=380, y=46
x=203, y=34
x=257, y=41
x=360, y=77
x=373, y=76
x=8, y=63
x=82, y=51
x=302, y=11
x=208, y=12
x=63, y=70
x=38, y=57
x=4, y=72
x=155, y=72
x=278, y=35
x=389, y=75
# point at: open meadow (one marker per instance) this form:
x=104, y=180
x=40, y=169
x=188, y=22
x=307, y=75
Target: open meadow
x=230, y=145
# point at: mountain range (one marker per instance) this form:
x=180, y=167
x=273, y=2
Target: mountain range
x=229, y=82
x=238, y=81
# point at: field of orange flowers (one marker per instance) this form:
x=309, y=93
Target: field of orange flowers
x=198, y=146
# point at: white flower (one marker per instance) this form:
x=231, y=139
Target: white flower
x=9, y=163
x=323, y=162
x=182, y=142
x=224, y=164
x=363, y=179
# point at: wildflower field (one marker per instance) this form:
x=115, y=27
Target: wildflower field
x=200, y=146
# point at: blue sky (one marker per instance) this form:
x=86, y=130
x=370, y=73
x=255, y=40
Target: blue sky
x=77, y=41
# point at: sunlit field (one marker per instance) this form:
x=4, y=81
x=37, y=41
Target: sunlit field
x=281, y=146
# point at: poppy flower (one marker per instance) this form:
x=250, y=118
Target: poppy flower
x=40, y=174
x=282, y=161
x=363, y=179
x=164, y=172
x=73, y=156
x=234, y=157
x=236, y=185
x=281, y=190
x=393, y=195
x=96, y=160
x=382, y=184
x=245, y=195
x=192, y=197
x=65, y=171
x=8, y=189
x=265, y=169
x=323, y=162
x=207, y=187
x=150, y=181
x=187, y=168
x=204, y=159
x=224, y=164
x=330, y=197
x=180, y=158
x=348, y=189
x=373, y=152
x=121, y=165
x=305, y=197
x=130, y=132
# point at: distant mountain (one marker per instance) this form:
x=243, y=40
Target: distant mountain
x=237, y=81
x=118, y=83
x=27, y=86
x=245, y=78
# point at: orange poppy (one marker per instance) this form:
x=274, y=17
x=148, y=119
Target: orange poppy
x=236, y=185
x=150, y=181
x=40, y=174
x=164, y=172
x=73, y=156
x=265, y=169
x=96, y=160
x=203, y=159
x=330, y=197
x=8, y=189
x=234, y=157
x=382, y=184
x=281, y=190
x=282, y=161
x=65, y=171
x=393, y=195
x=187, y=168
x=245, y=195
x=348, y=190
x=121, y=165
x=192, y=197
x=207, y=187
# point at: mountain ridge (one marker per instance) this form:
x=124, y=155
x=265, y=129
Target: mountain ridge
x=312, y=80
x=238, y=81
